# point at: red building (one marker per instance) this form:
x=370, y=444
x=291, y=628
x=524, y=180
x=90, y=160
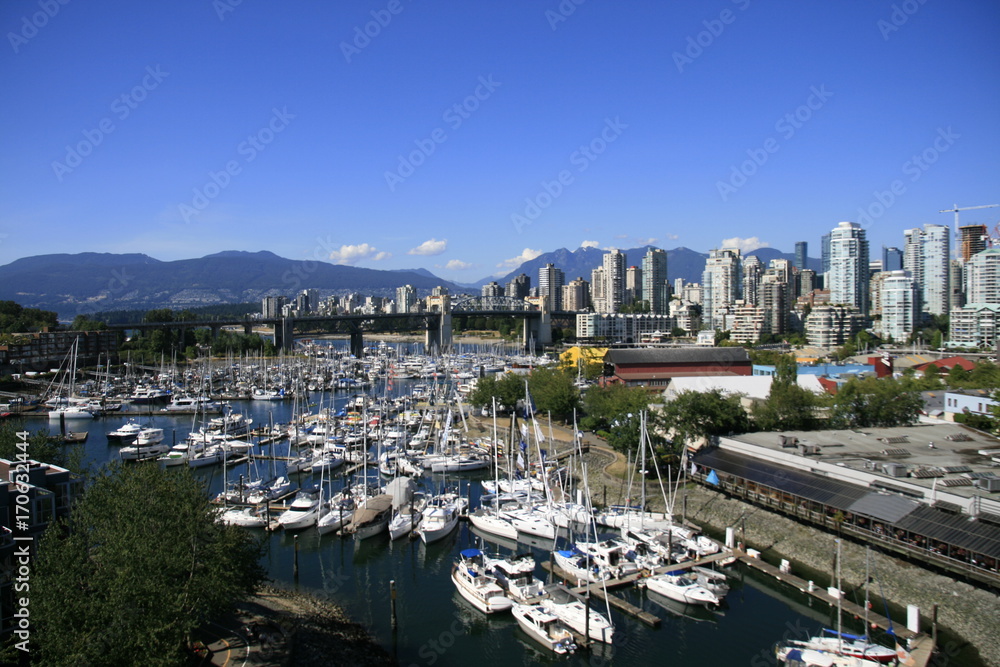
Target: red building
x=653, y=367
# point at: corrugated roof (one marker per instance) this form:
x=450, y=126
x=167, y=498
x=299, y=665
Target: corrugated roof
x=677, y=355
x=819, y=489
x=955, y=529
x=884, y=507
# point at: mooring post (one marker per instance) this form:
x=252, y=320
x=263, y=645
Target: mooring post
x=392, y=601
x=295, y=562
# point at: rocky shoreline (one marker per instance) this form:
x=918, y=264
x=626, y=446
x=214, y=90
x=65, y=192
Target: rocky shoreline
x=316, y=632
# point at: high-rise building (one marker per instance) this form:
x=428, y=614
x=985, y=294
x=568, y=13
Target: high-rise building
x=983, y=277
x=492, y=289
x=721, y=282
x=679, y=285
x=271, y=306
x=753, y=270
x=519, y=287
x=550, y=284
x=406, y=299
x=972, y=239
x=576, y=295
x=927, y=256
x=655, y=287
x=825, y=250
x=807, y=282
x=801, y=255
x=892, y=259
x=774, y=302
x=633, y=285
x=614, y=280
x=598, y=296
x=957, y=284
x=848, y=274
x=898, y=301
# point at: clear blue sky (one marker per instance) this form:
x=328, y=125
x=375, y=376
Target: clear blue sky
x=312, y=120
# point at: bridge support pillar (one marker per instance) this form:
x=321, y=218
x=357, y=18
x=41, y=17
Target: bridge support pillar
x=215, y=330
x=284, y=334
x=438, y=336
x=538, y=331
x=248, y=328
x=357, y=343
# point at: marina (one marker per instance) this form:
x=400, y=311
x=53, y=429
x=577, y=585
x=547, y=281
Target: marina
x=355, y=572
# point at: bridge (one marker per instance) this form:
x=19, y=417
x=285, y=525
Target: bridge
x=436, y=323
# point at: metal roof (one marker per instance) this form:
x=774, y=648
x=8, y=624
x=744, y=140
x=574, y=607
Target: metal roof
x=884, y=507
x=678, y=355
x=806, y=485
x=955, y=529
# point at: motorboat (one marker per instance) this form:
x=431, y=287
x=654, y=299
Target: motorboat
x=544, y=628
x=475, y=585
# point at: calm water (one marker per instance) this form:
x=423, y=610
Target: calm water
x=437, y=627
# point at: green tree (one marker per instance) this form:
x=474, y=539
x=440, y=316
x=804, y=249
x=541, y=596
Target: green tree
x=603, y=405
x=692, y=415
x=508, y=389
x=84, y=323
x=159, y=315
x=788, y=407
x=40, y=447
x=553, y=392
x=873, y=402
x=141, y=564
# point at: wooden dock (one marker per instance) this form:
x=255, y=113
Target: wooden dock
x=921, y=645
x=598, y=590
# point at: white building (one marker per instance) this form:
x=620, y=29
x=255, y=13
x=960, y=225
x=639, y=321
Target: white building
x=898, y=302
x=982, y=277
x=975, y=325
x=927, y=256
x=848, y=274
x=721, y=282
x=655, y=288
x=621, y=327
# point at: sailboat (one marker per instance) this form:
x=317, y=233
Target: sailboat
x=65, y=408
x=825, y=653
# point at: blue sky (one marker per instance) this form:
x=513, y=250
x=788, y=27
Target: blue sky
x=463, y=136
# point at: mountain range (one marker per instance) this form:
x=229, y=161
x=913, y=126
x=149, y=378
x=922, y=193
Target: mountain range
x=72, y=284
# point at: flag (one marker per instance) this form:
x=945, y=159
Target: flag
x=712, y=478
x=520, y=460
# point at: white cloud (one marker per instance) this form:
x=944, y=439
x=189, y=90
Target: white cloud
x=526, y=256
x=745, y=245
x=352, y=254
x=458, y=265
x=650, y=241
x=671, y=237
x=429, y=248
x=590, y=244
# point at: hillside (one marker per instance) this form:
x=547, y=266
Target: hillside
x=89, y=282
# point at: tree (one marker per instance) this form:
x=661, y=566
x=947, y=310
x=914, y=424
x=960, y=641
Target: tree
x=692, y=415
x=603, y=405
x=84, y=323
x=508, y=389
x=873, y=402
x=553, y=392
x=788, y=407
x=141, y=564
x=40, y=447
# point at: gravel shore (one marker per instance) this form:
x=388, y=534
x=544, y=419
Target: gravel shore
x=319, y=633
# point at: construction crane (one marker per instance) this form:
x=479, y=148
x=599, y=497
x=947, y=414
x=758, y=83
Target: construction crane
x=955, y=209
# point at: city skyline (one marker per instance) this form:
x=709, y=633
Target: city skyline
x=394, y=135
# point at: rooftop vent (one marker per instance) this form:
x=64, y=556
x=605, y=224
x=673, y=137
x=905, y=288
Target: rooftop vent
x=990, y=484
x=956, y=469
x=895, y=440
x=958, y=437
x=894, y=451
x=956, y=481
